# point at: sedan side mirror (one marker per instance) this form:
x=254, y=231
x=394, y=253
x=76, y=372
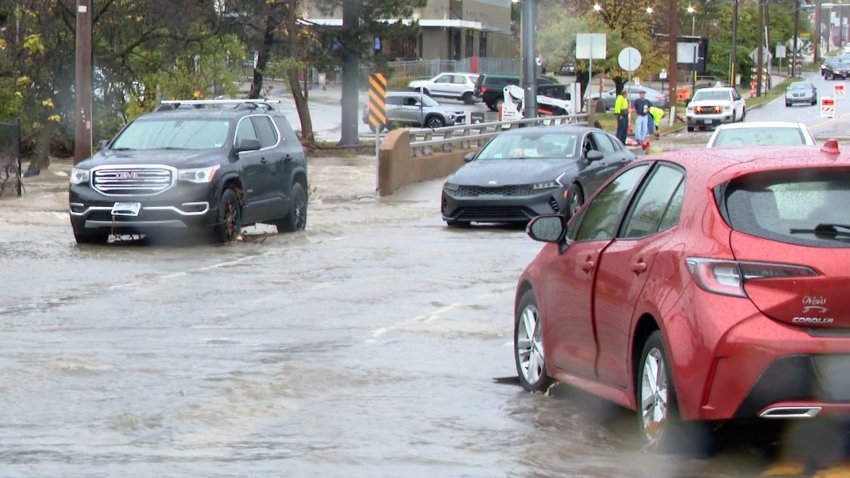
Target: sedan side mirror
x=594, y=155
x=547, y=228
x=246, y=144
x=468, y=157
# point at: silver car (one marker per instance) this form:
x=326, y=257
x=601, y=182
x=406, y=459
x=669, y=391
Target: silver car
x=801, y=92
x=408, y=108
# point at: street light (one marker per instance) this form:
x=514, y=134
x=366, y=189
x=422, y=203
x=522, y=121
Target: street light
x=649, y=10
x=597, y=7
x=693, y=12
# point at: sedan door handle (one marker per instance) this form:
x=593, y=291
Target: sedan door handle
x=639, y=267
x=588, y=265
x=264, y=160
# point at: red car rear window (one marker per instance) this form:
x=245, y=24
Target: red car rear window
x=802, y=206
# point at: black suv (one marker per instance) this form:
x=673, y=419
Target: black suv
x=208, y=165
x=490, y=87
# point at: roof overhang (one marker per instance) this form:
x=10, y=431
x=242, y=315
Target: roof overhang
x=423, y=22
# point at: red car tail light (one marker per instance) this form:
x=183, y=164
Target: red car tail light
x=483, y=90
x=727, y=277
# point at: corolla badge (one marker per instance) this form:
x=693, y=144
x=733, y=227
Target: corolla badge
x=815, y=305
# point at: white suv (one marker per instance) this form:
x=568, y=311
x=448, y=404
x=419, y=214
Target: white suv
x=713, y=106
x=459, y=86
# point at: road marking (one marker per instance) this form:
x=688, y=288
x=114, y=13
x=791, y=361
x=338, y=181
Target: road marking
x=828, y=121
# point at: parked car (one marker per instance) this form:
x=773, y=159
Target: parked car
x=524, y=172
x=694, y=287
x=408, y=108
x=763, y=133
x=459, y=86
x=710, y=107
x=801, y=92
x=209, y=165
x=657, y=98
x=490, y=87
x=837, y=69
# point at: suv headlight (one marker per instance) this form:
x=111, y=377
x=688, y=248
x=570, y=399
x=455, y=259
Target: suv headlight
x=197, y=175
x=79, y=176
x=450, y=187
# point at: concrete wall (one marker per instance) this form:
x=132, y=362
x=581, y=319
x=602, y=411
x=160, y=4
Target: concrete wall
x=396, y=168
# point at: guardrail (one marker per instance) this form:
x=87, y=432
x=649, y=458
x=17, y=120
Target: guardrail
x=423, y=140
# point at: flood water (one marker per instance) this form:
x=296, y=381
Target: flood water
x=376, y=343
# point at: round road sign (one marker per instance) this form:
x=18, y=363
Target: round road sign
x=629, y=59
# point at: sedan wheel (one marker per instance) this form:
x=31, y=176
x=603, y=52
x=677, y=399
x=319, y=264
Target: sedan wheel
x=655, y=392
x=574, y=200
x=528, y=345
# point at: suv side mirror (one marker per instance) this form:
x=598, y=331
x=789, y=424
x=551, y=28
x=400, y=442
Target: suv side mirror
x=246, y=144
x=102, y=144
x=593, y=155
x=468, y=157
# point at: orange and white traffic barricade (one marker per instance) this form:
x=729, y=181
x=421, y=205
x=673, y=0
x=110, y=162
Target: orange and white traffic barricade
x=827, y=107
x=838, y=91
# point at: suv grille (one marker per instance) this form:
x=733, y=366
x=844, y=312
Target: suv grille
x=132, y=180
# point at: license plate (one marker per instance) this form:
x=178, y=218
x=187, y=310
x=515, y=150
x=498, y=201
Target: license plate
x=126, y=208
x=706, y=121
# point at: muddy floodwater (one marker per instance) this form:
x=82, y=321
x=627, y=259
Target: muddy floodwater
x=376, y=343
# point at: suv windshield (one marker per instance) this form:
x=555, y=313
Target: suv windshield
x=173, y=134
x=799, y=206
x=711, y=96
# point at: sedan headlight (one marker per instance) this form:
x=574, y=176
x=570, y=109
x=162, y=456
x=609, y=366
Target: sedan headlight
x=198, y=175
x=79, y=176
x=555, y=183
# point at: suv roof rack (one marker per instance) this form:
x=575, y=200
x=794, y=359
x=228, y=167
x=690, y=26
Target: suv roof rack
x=243, y=103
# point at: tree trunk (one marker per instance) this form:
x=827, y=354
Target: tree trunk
x=263, y=57
x=350, y=73
x=301, y=104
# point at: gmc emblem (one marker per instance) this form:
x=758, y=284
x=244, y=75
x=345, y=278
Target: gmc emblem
x=127, y=175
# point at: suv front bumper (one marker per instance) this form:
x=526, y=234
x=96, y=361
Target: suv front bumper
x=185, y=206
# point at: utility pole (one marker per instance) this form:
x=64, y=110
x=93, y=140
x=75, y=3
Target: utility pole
x=817, y=30
x=733, y=57
x=350, y=71
x=796, y=34
x=673, y=65
x=760, y=48
x=529, y=57
x=83, y=82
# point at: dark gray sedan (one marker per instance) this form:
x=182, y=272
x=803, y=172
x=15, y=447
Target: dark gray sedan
x=524, y=172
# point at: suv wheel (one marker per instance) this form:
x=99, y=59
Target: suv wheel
x=434, y=122
x=468, y=98
x=296, y=220
x=229, y=223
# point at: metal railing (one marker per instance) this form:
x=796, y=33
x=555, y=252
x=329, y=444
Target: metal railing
x=467, y=136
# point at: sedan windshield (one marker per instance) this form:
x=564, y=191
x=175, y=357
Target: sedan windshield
x=534, y=145
x=774, y=135
x=173, y=134
x=800, y=85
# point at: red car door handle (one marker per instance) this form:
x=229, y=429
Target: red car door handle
x=588, y=265
x=639, y=267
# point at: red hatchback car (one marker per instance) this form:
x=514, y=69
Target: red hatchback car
x=698, y=286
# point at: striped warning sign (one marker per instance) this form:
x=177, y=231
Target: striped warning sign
x=827, y=107
x=838, y=90
x=377, y=101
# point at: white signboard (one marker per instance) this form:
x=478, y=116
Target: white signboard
x=780, y=51
x=629, y=59
x=591, y=46
x=687, y=52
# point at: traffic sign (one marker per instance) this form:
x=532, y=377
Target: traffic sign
x=629, y=59
x=827, y=107
x=377, y=101
x=838, y=91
